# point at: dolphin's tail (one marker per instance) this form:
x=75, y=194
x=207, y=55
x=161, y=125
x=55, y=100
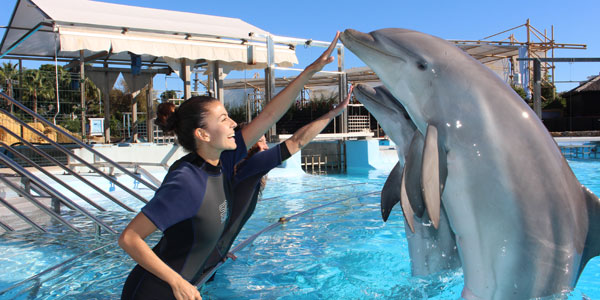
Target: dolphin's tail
x=592, y=242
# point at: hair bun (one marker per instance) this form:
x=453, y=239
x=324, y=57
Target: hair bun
x=166, y=117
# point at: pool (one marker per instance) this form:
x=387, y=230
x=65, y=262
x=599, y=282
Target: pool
x=342, y=250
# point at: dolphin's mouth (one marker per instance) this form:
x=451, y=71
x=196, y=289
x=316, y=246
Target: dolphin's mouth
x=370, y=93
x=366, y=40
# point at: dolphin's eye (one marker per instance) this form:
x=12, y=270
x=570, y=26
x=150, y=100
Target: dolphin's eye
x=422, y=65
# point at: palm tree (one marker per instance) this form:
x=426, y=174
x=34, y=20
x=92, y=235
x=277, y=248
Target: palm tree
x=8, y=73
x=35, y=85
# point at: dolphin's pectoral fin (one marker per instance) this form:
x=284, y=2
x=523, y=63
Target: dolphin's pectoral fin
x=412, y=174
x=390, y=195
x=405, y=204
x=592, y=242
x=433, y=174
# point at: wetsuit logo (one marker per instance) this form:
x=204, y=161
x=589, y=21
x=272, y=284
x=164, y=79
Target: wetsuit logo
x=223, y=211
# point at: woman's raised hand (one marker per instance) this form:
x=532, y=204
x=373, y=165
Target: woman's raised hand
x=325, y=58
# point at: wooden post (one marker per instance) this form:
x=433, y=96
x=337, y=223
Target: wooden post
x=185, y=74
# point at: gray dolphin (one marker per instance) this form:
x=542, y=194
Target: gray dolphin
x=431, y=250
x=524, y=225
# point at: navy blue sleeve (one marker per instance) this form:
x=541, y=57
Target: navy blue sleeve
x=178, y=198
x=260, y=163
x=230, y=158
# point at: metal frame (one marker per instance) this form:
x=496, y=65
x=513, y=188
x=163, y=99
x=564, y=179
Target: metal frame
x=77, y=141
x=66, y=169
x=51, y=191
x=15, y=211
x=537, y=76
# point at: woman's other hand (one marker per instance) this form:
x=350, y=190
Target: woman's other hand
x=342, y=105
x=183, y=290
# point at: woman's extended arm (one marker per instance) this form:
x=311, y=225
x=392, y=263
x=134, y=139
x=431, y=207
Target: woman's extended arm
x=132, y=241
x=282, y=101
x=308, y=132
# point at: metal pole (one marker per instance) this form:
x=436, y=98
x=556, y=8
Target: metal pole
x=219, y=90
x=270, y=83
x=537, y=88
x=343, y=89
x=107, y=115
x=134, y=116
x=82, y=91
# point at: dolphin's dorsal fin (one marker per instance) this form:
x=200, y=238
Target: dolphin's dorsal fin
x=390, y=195
x=405, y=204
x=433, y=174
x=412, y=175
x=592, y=243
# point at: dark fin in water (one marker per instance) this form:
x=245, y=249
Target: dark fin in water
x=390, y=195
x=412, y=174
x=433, y=175
x=592, y=243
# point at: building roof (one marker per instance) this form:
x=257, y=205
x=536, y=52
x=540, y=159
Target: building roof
x=592, y=85
x=68, y=26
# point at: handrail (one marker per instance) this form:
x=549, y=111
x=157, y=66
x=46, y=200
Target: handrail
x=35, y=165
x=69, y=153
x=39, y=205
x=15, y=211
x=66, y=169
x=77, y=141
x=5, y=226
x=148, y=175
x=50, y=190
x=281, y=220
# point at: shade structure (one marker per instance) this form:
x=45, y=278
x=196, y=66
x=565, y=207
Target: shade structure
x=43, y=28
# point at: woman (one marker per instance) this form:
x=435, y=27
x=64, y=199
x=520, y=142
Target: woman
x=249, y=178
x=190, y=207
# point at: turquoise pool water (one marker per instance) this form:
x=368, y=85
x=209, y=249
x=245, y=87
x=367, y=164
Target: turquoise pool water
x=339, y=251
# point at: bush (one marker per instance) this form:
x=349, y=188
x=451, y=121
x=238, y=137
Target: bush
x=72, y=125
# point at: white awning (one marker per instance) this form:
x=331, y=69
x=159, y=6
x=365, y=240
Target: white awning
x=68, y=26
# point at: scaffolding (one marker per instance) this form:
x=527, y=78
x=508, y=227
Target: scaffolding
x=536, y=45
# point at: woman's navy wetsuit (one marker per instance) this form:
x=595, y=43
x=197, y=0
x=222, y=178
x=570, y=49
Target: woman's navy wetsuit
x=246, y=187
x=191, y=210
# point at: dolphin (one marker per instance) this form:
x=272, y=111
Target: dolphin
x=431, y=250
x=524, y=225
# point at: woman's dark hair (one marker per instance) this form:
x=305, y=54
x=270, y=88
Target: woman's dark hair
x=184, y=120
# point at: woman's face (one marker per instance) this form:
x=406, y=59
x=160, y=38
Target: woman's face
x=262, y=144
x=220, y=127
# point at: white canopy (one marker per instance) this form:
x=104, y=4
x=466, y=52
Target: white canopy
x=68, y=26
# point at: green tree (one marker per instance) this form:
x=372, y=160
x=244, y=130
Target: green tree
x=521, y=92
x=36, y=85
x=8, y=73
x=168, y=94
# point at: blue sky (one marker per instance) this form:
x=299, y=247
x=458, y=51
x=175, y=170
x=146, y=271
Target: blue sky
x=574, y=22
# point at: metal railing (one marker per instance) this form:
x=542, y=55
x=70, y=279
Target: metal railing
x=52, y=192
x=41, y=187
x=74, y=139
x=65, y=168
